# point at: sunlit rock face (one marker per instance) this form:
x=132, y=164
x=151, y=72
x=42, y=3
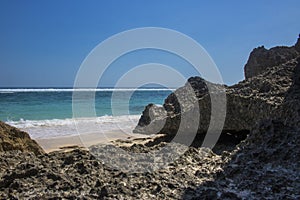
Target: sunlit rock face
x=12, y=138
x=269, y=76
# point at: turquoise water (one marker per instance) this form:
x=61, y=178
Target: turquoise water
x=46, y=113
x=42, y=105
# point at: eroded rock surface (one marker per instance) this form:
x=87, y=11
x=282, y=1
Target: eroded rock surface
x=261, y=58
x=248, y=101
x=266, y=164
x=12, y=138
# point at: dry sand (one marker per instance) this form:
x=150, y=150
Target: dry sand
x=84, y=140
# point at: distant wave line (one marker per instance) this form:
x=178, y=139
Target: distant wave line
x=83, y=90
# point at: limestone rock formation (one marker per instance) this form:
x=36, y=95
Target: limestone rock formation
x=268, y=157
x=247, y=102
x=261, y=58
x=12, y=138
x=297, y=45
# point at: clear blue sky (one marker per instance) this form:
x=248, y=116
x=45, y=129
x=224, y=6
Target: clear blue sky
x=42, y=43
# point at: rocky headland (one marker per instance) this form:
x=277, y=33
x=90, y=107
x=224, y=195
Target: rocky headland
x=256, y=157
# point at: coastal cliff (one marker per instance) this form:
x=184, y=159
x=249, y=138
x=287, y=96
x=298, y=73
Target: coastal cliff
x=263, y=114
x=269, y=76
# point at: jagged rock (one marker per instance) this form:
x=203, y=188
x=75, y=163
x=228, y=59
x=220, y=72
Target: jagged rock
x=268, y=157
x=297, y=45
x=247, y=102
x=12, y=138
x=261, y=58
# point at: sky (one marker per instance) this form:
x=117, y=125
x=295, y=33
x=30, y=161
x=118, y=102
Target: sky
x=43, y=43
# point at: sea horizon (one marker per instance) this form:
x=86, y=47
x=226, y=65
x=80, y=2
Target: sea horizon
x=87, y=89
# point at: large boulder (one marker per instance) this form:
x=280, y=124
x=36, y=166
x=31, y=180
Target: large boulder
x=12, y=138
x=248, y=102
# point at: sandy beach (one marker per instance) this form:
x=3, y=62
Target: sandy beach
x=84, y=141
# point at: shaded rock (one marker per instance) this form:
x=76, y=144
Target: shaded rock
x=261, y=58
x=103, y=192
x=12, y=138
x=264, y=166
x=153, y=112
x=297, y=45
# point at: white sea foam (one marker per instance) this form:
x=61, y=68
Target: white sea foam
x=6, y=92
x=82, y=89
x=40, y=129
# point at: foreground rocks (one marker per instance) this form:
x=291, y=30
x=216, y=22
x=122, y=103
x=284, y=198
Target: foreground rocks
x=78, y=175
x=12, y=138
x=265, y=165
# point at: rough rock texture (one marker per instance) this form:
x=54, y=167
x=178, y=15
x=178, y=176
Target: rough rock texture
x=297, y=45
x=247, y=102
x=79, y=175
x=12, y=138
x=265, y=165
x=261, y=58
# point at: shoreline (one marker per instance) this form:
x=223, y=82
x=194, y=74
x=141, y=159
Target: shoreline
x=89, y=139
x=256, y=157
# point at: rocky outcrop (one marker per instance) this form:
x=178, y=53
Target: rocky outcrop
x=263, y=166
x=247, y=102
x=297, y=45
x=268, y=157
x=12, y=138
x=261, y=58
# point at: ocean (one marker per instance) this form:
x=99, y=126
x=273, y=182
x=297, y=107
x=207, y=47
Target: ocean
x=47, y=112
